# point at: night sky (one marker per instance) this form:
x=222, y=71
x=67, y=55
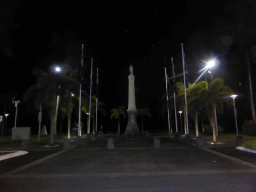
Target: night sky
x=38, y=34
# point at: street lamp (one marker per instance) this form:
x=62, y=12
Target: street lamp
x=69, y=113
x=238, y=138
x=210, y=74
x=210, y=64
x=55, y=70
x=235, y=112
x=180, y=112
x=16, y=113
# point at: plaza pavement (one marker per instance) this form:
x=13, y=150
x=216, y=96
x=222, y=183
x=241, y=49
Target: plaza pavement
x=133, y=165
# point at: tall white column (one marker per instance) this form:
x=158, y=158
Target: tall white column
x=131, y=100
x=132, y=128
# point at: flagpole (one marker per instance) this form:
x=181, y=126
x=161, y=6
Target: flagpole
x=184, y=76
x=167, y=102
x=174, y=96
x=90, y=104
x=97, y=100
x=80, y=93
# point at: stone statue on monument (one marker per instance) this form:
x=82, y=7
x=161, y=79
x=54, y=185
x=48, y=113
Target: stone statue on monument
x=131, y=69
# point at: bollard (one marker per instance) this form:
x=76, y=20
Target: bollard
x=239, y=141
x=110, y=143
x=44, y=130
x=66, y=144
x=199, y=142
x=24, y=145
x=156, y=142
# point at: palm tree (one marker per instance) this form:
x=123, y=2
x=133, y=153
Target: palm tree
x=44, y=92
x=116, y=113
x=214, y=98
x=201, y=98
x=68, y=91
x=143, y=113
x=66, y=109
x=196, y=100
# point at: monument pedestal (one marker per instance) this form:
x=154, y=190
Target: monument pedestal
x=132, y=127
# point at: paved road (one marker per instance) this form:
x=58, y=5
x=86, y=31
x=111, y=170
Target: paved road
x=134, y=165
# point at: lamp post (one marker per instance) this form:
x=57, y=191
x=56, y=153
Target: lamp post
x=180, y=112
x=57, y=69
x=16, y=113
x=210, y=74
x=69, y=113
x=235, y=112
x=238, y=138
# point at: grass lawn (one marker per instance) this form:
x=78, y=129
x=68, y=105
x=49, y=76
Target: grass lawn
x=248, y=140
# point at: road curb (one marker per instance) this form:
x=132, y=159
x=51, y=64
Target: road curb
x=246, y=149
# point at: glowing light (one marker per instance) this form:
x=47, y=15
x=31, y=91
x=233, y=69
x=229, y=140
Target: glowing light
x=57, y=69
x=210, y=64
x=233, y=96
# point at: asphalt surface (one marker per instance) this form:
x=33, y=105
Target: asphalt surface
x=133, y=165
x=13, y=163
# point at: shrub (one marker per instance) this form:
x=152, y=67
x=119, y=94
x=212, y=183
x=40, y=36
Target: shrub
x=249, y=128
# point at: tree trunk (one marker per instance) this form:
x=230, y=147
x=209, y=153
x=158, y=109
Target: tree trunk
x=93, y=126
x=216, y=122
x=142, y=125
x=185, y=124
x=61, y=121
x=212, y=122
x=118, y=126
x=53, y=125
x=196, y=124
x=203, y=126
x=88, y=128
x=250, y=86
x=56, y=114
x=69, y=116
